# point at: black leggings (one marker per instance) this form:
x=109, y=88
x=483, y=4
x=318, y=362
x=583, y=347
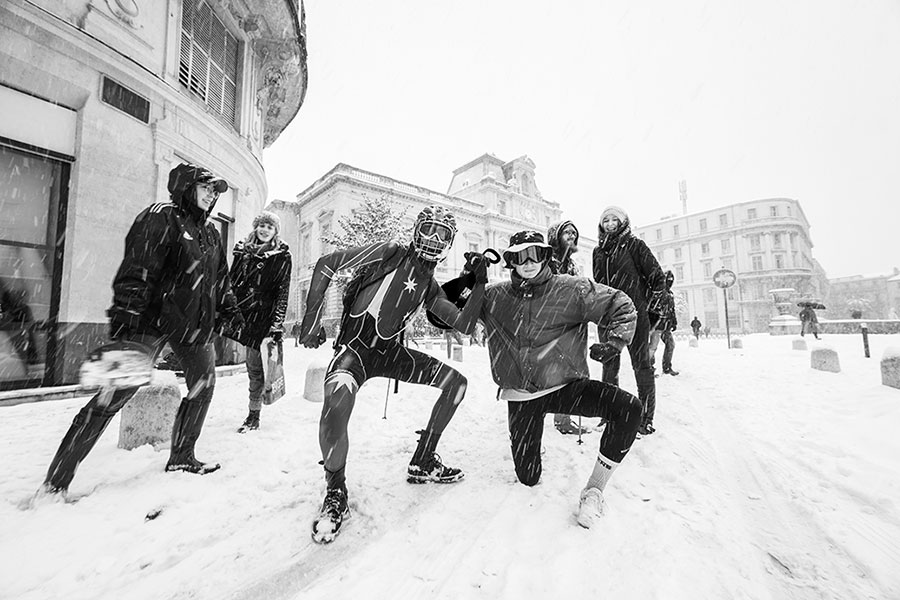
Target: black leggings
x=585, y=397
x=639, y=349
x=355, y=363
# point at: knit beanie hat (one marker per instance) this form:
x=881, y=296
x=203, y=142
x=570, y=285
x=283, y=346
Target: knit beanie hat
x=270, y=218
x=613, y=211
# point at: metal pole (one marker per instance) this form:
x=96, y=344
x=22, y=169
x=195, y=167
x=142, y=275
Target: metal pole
x=865, y=332
x=727, y=326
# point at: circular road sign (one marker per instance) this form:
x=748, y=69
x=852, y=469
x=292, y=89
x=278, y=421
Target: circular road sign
x=724, y=278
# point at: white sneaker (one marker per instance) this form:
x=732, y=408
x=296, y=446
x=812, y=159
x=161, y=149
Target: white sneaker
x=590, y=507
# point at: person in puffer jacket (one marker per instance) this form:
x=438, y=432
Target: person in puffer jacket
x=261, y=280
x=171, y=287
x=623, y=261
x=563, y=239
x=537, y=324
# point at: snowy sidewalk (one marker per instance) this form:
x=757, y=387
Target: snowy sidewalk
x=766, y=479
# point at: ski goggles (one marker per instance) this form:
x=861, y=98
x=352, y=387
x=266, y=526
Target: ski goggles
x=531, y=253
x=430, y=229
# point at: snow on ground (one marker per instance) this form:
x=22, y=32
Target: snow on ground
x=766, y=479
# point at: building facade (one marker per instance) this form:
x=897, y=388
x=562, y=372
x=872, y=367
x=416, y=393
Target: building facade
x=874, y=296
x=765, y=242
x=99, y=99
x=490, y=198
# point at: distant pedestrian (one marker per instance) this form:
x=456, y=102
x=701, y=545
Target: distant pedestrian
x=706, y=331
x=664, y=328
x=695, y=327
x=172, y=286
x=809, y=322
x=295, y=333
x=261, y=279
x=563, y=239
x=623, y=261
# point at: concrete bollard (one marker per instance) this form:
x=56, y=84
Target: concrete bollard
x=693, y=343
x=825, y=359
x=890, y=367
x=314, y=387
x=737, y=344
x=457, y=353
x=426, y=345
x=798, y=344
x=148, y=417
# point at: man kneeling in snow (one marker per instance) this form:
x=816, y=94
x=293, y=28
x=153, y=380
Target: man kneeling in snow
x=536, y=328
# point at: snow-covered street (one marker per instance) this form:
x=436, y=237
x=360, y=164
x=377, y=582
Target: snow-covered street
x=766, y=479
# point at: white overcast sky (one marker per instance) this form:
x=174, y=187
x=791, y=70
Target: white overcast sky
x=616, y=102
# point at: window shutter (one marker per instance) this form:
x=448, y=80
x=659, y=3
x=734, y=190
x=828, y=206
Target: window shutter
x=210, y=60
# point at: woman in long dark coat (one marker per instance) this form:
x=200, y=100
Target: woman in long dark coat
x=623, y=261
x=260, y=279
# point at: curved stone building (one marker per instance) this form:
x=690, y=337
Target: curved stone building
x=99, y=99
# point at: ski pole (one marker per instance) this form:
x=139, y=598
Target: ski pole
x=387, y=394
x=579, y=430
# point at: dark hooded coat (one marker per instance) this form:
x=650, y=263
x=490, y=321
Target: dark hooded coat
x=624, y=262
x=261, y=280
x=561, y=262
x=173, y=280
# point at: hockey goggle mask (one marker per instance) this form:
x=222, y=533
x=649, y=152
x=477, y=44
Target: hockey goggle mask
x=537, y=254
x=433, y=239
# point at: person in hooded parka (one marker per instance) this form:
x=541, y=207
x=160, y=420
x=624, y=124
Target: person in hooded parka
x=563, y=239
x=623, y=261
x=172, y=287
x=261, y=280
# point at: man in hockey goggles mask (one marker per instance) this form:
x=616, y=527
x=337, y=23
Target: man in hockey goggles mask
x=434, y=232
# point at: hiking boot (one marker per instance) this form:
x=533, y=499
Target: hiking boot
x=646, y=428
x=251, y=423
x=670, y=371
x=329, y=520
x=567, y=426
x=590, y=507
x=432, y=470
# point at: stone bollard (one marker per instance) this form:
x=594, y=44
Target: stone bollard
x=426, y=345
x=314, y=387
x=457, y=353
x=148, y=417
x=798, y=344
x=737, y=344
x=825, y=359
x=693, y=343
x=890, y=367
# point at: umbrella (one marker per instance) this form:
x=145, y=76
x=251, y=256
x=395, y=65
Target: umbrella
x=812, y=304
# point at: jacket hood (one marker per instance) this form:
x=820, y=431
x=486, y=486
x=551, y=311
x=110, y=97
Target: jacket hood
x=554, y=232
x=183, y=177
x=606, y=239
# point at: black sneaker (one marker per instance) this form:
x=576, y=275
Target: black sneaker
x=192, y=465
x=334, y=510
x=251, y=423
x=646, y=428
x=670, y=371
x=433, y=470
x=570, y=427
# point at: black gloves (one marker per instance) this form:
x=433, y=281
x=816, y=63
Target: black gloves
x=118, y=330
x=477, y=264
x=604, y=352
x=314, y=339
x=276, y=334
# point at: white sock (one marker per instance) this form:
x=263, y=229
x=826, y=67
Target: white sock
x=603, y=470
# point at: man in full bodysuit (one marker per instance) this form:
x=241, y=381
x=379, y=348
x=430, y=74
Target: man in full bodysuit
x=396, y=280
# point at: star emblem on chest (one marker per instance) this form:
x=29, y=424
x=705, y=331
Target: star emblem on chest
x=409, y=285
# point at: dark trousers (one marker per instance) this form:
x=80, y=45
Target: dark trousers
x=198, y=362
x=668, y=348
x=585, y=397
x=639, y=349
x=256, y=375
